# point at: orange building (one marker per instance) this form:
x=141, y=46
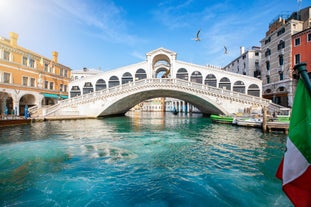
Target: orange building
x=301, y=44
x=28, y=79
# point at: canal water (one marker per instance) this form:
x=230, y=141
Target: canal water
x=142, y=159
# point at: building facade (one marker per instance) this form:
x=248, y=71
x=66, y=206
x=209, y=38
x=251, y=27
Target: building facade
x=248, y=63
x=277, y=54
x=28, y=79
x=301, y=46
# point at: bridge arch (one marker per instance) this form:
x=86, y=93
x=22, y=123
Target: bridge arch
x=88, y=88
x=113, y=81
x=127, y=77
x=211, y=80
x=100, y=85
x=75, y=91
x=125, y=103
x=196, y=77
x=182, y=73
x=140, y=74
x=253, y=90
x=225, y=83
x=239, y=86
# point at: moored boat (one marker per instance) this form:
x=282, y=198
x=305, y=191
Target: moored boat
x=249, y=122
x=13, y=122
x=222, y=119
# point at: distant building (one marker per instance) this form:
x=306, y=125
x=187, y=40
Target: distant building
x=248, y=63
x=85, y=72
x=277, y=53
x=29, y=79
x=301, y=46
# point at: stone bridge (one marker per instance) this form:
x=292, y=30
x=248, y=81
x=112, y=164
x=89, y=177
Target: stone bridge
x=119, y=99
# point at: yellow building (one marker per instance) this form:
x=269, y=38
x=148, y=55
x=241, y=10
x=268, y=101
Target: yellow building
x=28, y=79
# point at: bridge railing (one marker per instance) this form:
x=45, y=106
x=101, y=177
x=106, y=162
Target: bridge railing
x=186, y=85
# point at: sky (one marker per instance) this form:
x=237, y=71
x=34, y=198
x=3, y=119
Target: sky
x=107, y=34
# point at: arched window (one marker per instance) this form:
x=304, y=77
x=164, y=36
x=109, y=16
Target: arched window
x=113, y=81
x=281, y=59
x=268, y=52
x=196, y=77
x=100, y=85
x=225, y=83
x=239, y=86
x=127, y=77
x=88, y=88
x=281, y=45
x=75, y=91
x=211, y=80
x=140, y=74
x=253, y=90
x=182, y=73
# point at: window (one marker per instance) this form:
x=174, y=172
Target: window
x=61, y=87
x=25, y=81
x=24, y=60
x=256, y=53
x=268, y=65
x=61, y=71
x=281, y=45
x=268, y=52
x=6, y=55
x=268, y=79
x=46, y=67
x=281, y=76
x=268, y=40
x=65, y=88
x=297, y=41
x=281, y=59
x=66, y=73
x=309, y=37
x=32, y=82
x=297, y=58
x=281, y=31
x=51, y=85
x=31, y=63
x=6, y=77
x=46, y=84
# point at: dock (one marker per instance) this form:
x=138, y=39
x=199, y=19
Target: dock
x=277, y=126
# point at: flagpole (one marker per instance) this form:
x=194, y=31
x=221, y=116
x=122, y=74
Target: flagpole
x=302, y=70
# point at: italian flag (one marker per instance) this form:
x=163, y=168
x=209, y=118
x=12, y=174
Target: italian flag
x=295, y=168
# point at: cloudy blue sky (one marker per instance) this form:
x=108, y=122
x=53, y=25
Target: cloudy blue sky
x=107, y=34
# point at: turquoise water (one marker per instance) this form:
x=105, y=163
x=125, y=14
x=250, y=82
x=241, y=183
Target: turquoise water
x=139, y=160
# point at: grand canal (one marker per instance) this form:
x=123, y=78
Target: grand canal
x=147, y=159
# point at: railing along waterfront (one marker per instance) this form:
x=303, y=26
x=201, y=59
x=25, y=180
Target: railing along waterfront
x=163, y=83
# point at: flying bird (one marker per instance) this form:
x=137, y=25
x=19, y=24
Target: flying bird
x=226, y=50
x=197, y=38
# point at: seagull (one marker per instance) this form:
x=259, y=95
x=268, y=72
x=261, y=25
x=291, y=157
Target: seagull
x=226, y=50
x=197, y=37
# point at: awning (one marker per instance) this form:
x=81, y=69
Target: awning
x=49, y=95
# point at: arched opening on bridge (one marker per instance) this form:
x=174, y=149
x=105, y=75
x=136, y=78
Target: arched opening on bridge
x=127, y=77
x=225, y=83
x=75, y=91
x=162, y=69
x=239, y=86
x=253, y=90
x=281, y=96
x=196, y=77
x=113, y=81
x=182, y=73
x=211, y=80
x=100, y=85
x=26, y=100
x=140, y=74
x=88, y=88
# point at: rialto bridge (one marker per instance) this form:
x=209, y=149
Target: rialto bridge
x=114, y=92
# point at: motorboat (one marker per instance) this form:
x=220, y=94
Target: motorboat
x=221, y=119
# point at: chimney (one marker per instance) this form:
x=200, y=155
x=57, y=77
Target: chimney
x=55, y=56
x=13, y=39
x=242, y=50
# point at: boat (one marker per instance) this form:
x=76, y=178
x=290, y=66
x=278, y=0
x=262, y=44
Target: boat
x=222, y=119
x=283, y=115
x=14, y=122
x=249, y=122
